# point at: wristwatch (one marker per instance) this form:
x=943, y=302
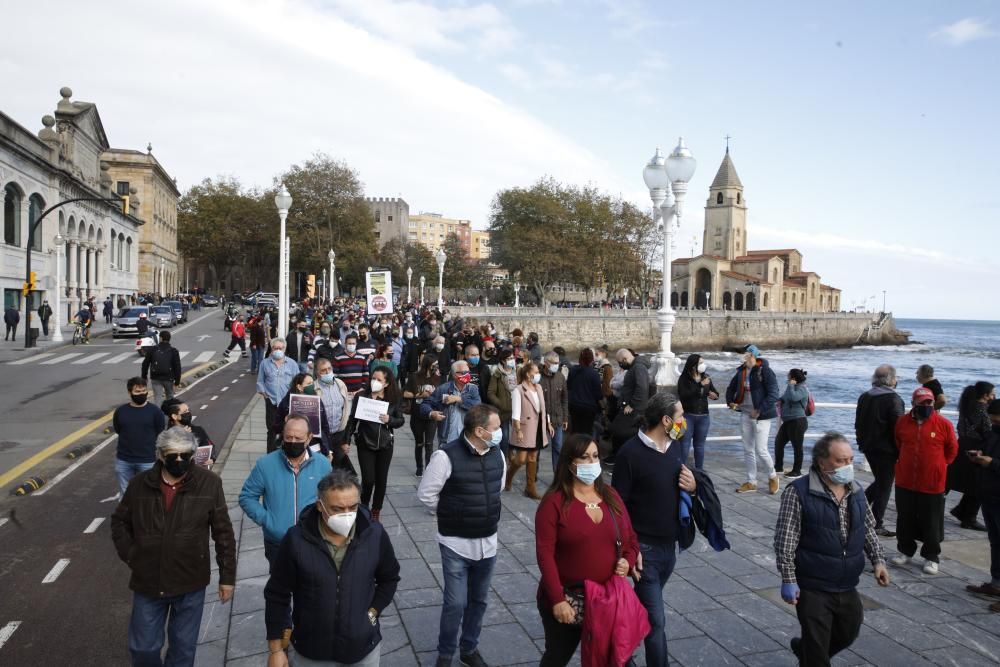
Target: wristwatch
x=372, y=615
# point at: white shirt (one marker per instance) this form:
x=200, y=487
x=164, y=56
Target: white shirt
x=651, y=444
x=436, y=474
x=515, y=401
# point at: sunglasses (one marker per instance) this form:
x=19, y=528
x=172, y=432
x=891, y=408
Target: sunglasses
x=177, y=456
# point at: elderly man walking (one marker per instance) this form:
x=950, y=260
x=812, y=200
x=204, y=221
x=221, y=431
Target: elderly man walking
x=875, y=429
x=160, y=530
x=824, y=532
x=450, y=402
x=274, y=378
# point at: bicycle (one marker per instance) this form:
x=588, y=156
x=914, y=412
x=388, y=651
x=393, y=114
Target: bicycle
x=78, y=332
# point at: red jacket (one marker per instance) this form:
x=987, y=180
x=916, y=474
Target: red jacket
x=925, y=450
x=614, y=623
x=239, y=329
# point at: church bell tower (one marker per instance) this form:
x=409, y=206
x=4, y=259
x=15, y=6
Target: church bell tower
x=725, y=214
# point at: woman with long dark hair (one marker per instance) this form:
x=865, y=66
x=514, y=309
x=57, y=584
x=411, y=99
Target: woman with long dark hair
x=585, y=394
x=695, y=389
x=420, y=385
x=794, y=422
x=303, y=383
x=530, y=433
x=178, y=415
x=577, y=526
x=974, y=428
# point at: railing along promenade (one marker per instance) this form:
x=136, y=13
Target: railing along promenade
x=481, y=312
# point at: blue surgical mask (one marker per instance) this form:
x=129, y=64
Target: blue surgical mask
x=588, y=472
x=536, y=378
x=842, y=475
x=277, y=355
x=473, y=361
x=326, y=378
x=495, y=437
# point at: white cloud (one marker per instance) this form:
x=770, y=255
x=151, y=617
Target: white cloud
x=835, y=242
x=964, y=31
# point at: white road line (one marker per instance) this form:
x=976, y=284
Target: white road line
x=92, y=357
x=7, y=630
x=61, y=476
x=183, y=354
x=3, y=521
x=92, y=528
x=236, y=380
x=214, y=397
x=118, y=358
x=140, y=360
x=203, y=357
x=225, y=389
x=65, y=357
x=56, y=570
x=203, y=407
x=28, y=360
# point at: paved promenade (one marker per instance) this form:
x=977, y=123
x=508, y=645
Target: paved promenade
x=724, y=608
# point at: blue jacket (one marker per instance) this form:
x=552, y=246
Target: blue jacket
x=273, y=496
x=454, y=414
x=763, y=389
x=794, y=402
x=822, y=561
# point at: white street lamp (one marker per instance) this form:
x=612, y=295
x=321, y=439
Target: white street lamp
x=667, y=180
x=409, y=278
x=283, y=202
x=517, y=294
x=57, y=301
x=626, y=299
x=331, y=256
x=441, y=257
x=422, y=281
x=163, y=273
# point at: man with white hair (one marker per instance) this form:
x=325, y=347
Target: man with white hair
x=450, y=401
x=274, y=377
x=160, y=530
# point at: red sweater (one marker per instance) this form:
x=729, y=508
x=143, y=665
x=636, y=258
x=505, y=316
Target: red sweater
x=571, y=548
x=925, y=450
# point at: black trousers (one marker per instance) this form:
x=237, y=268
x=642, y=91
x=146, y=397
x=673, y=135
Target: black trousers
x=793, y=431
x=967, y=508
x=561, y=639
x=920, y=517
x=581, y=419
x=830, y=623
x=271, y=417
x=237, y=340
x=374, y=475
x=45, y=326
x=11, y=331
x=423, y=434
x=884, y=469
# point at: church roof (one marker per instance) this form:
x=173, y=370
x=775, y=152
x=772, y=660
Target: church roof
x=780, y=251
x=742, y=276
x=804, y=273
x=726, y=177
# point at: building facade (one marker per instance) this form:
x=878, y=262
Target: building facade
x=392, y=218
x=479, y=246
x=84, y=248
x=158, y=194
x=730, y=276
x=431, y=230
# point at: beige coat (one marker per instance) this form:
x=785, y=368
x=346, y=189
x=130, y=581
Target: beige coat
x=530, y=418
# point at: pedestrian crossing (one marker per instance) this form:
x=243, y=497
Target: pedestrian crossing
x=108, y=358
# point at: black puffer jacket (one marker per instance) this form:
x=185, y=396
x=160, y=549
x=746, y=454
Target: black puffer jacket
x=371, y=434
x=875, y=421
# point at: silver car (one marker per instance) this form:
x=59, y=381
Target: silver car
x=124, y=324
x=178, y=310
x=163, y=317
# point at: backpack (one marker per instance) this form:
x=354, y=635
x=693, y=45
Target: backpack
x=161, y=361
x=810, y=405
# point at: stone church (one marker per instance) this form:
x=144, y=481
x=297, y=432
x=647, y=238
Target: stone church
x=728, y=275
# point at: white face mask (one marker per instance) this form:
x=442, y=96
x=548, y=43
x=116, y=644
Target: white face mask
x=553, y=368
x=536, y=378
x=377, y=386
x=342, y=523
x=351, y=348
x=439, y=346
x=702, y=367
x=510, y=363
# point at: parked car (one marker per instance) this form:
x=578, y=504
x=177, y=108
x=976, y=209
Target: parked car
x=209, y=301
x=124, y=323
x=178, y=308
x=163, y=316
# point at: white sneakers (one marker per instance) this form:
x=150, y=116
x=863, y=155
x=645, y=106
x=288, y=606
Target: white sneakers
x=930, y=567
x=900, y=560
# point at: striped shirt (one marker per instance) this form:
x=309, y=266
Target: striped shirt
x=353, y=371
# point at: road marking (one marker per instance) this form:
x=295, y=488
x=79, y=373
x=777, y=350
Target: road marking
x=203, y=407
x=183, y=354
x=236, y=380
x=56, y=570
x=203, y=357
x=92, y=528
x=118, y=358
x=203, y=337
x=3, y=521
x=28, y=360
x=76, y=464
x=7, y=630
x=93, y=357
x=65, y=357
x=225, y=389
x=214, y=397
x=111, y=498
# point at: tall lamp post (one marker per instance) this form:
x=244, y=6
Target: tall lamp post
x=57, y=300
x=667, y=180
x=283, y=202
x=163, y=273
x=331, y=256
x=441, y=257
x=409, y=279
x=517, y=294
x=422, y=281
x=322, y=287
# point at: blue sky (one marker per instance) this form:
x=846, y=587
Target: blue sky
x=864, y=133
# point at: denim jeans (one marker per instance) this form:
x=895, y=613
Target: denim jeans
x=657, y=564
x=145, y=630
x=466, y=585
x=125, y=471
x=370, y=660
x=256, y=356
x=556, y=442
x=696, y=433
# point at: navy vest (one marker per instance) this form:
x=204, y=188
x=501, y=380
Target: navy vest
x=822, y=561
x=469, y=503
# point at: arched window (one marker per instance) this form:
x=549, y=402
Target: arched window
x=128, y=254
x=727, y=301
x=784, y=299
x=739, y=198
x=35, y=208
x=751, y=301
x=684, y=299
x=765, y=300
x=718, y=198
x=738, y=301
x=774, y=275
x=12, y=215
x=794, y=298
x=112, y=242
x=813, y=288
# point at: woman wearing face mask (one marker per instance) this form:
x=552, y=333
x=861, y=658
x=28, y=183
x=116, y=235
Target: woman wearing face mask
x=303, y=383
x=498, y=394
x=695, y=389
x=179, y=415
x=375, y=439
x=336, y=405
x=577, y=527
x=420, y=385
x=530, y=427
x=793, y=423
x=383, y=359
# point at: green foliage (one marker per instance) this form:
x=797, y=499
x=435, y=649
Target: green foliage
x=396, y=256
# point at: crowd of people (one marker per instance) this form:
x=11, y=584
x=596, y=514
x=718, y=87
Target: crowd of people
x=629, y=484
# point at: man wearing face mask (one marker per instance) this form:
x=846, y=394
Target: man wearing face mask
x=556, y=403
x=875, y=431
x=825, y=530
x=634, y=397
x=753, y=392
x=137, y=423
x=160, y=530
x=274, y=377
x=450, y=402
x=351, y=367
x=334, y=541
x=462, y=484
x=478, y=370
x=441, y=351
x=649, y=476
x=298, y=345
x=283, y=483
x=927, y=443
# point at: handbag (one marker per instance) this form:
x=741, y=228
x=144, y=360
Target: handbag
x=575, y=593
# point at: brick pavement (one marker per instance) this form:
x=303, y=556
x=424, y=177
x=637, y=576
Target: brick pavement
x=723, y=608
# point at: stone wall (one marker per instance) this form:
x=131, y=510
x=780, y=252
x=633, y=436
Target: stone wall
x=700, y=331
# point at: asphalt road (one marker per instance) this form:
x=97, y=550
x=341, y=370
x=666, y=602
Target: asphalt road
x=81, y=618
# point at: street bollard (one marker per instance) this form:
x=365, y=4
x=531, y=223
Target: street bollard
x=31, y=484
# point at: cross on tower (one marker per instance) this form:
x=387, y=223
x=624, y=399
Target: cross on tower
x=727, y=143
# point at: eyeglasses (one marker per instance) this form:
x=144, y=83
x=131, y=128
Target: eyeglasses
x=178, y=456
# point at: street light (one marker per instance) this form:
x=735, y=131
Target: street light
x=331, y=256
x=441, y=257
x=667, y=180
x=163, y=272
x=409, y=278
x=57, y=333
x=625, y=305
x=422, y=281
x=283, y=202
x=517, y=295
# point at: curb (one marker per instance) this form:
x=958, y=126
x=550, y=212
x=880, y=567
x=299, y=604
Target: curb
x=227, y=446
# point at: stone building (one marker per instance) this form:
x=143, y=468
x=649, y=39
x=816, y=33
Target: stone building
x=431, y=230
x=392, y=218
x=99, y=253
x=728, y=275
x=480, y=246
x=158, y=194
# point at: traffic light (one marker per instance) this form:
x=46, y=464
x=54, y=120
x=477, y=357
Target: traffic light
x=31, y=281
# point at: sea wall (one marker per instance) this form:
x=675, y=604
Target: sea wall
x=693, y=331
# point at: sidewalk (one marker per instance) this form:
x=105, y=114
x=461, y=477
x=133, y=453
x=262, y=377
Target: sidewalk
x=723, y=608
x=12, y=351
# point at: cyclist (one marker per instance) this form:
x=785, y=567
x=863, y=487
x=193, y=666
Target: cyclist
x=85, y=318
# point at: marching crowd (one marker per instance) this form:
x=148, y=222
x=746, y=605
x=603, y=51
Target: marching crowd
x=628, y=486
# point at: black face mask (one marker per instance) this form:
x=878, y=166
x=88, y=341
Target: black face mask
x=923, y=411
x=185, y=419
x=177, y=466
x=138, y=399
x=293, y=450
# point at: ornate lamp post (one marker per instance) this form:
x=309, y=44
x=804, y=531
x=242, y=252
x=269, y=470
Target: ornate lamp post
x=441, y=257
x=517, y=295
x=163, y=273
x=422, y=281
x=57, y=300
x=667, y=180
x=625, y=304
x=283, y=202
x=331, y=256
x=409, y=278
